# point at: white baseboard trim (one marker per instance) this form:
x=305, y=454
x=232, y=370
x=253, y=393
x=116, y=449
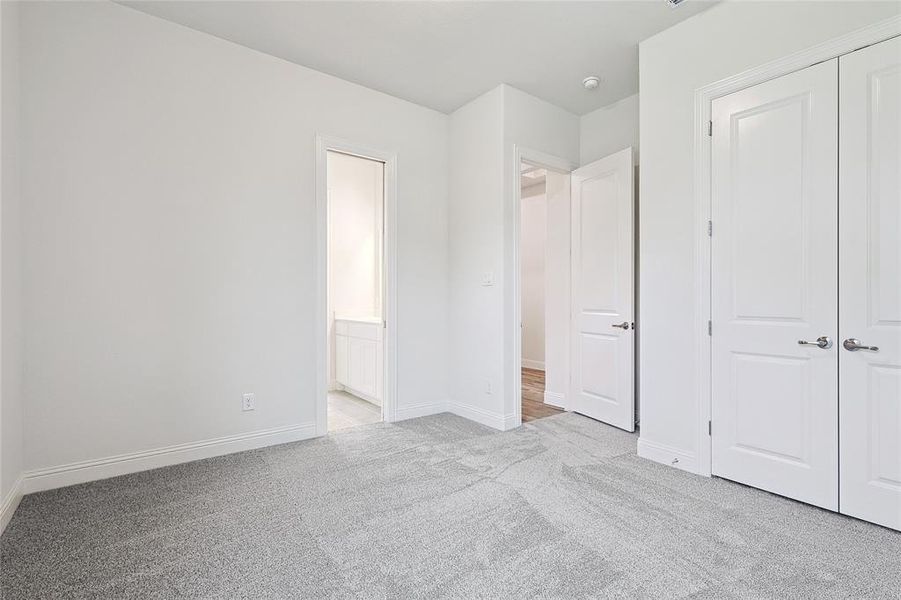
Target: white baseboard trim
x=667, y=455
x=361, y=395
x=555, y=399
x=532, y=364
x=511, y=422
x=91, y=470
x=479, y=415
x=11, y=503
x=419, y=410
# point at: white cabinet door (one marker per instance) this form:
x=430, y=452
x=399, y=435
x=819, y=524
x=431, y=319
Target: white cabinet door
x=358, y=353
x=773, y=283
x=341, y=371
x=363, y=361
x=602, y=382
x=870, y=283
x=355, y=352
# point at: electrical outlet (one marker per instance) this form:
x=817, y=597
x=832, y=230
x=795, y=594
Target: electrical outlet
x=248, y=402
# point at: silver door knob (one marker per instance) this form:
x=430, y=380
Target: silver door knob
x=824, y=342
x=623, y=325
x=853, y=344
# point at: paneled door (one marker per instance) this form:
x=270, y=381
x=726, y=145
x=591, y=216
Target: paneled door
x=602, y=382
x=774, y=286
x=870, y=283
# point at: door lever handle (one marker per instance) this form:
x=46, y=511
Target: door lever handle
x=623, y=325
x=824, y=342
x=853, y=344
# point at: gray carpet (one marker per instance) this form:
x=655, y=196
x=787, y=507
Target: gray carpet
x=439, y=507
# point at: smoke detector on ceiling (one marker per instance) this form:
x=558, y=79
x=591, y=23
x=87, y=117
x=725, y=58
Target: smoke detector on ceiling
x=591, y=83
x=674, y=3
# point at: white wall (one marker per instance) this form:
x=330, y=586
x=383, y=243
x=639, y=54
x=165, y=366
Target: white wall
x=475, y=235
x=609, y=129
x=356, y=203
x=355, y=190
x=557, y=307
x=11, y=341
x=168, y=183
x=725, y=40
x=484, y=175
x=533, y=248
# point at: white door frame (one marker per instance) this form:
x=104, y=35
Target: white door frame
x=554, y=163
x=703, y=98
x=324, y=144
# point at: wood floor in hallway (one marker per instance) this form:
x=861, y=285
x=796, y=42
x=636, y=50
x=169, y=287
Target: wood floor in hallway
x=533, y=406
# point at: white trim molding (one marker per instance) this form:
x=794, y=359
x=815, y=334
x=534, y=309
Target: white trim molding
x=667, y=455
x=420, y=410
x=557, y=399
x=494, y=420
x=536, y=365
x=91, y=470
x=11, y=503
x=324, y=144
x=703, y=98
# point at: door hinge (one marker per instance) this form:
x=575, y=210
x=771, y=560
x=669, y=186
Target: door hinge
x=710, y=428
x=709, y=228
x=709, y=327
x=709, y=128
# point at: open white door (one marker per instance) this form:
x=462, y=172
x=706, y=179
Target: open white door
x=602, y=384
x=870, y=284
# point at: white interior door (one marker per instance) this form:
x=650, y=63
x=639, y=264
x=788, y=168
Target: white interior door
x=774, y=285
x=602, y=373
x=870, y=283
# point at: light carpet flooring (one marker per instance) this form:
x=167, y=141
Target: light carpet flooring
x=439, y=507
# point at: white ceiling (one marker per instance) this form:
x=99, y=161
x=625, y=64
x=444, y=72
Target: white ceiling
x=443, y=54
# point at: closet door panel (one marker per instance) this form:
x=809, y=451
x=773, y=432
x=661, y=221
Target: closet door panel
x=774, y=282
x=870, y=283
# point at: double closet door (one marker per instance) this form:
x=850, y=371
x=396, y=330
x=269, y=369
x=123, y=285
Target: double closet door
x=806, y=285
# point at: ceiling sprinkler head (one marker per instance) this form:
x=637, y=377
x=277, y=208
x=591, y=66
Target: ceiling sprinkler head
x=591, y=83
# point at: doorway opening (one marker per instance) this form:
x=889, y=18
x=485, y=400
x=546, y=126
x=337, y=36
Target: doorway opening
x=573, y=253
x=355, y=290
x=544, y=223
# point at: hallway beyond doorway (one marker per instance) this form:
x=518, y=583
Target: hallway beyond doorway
x=533, y=405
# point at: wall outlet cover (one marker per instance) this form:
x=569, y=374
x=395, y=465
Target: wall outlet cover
x=248, y=401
